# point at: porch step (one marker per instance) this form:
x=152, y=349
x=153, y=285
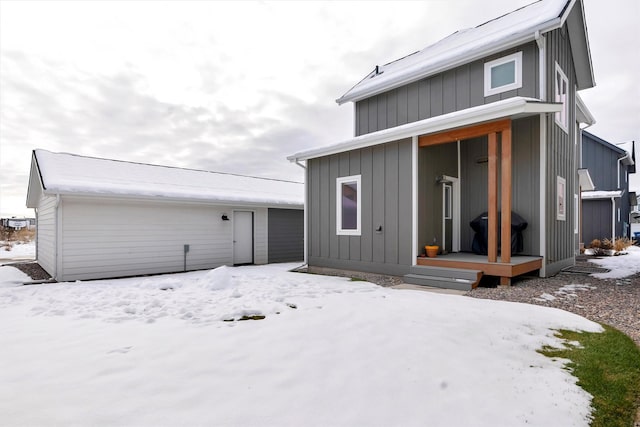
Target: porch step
x=442, y=277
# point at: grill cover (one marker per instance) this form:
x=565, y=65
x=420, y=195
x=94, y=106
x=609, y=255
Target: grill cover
x=480, y=225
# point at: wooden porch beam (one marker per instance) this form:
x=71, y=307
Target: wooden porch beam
x=464, y=133
x=505, y=194
x=492, y=238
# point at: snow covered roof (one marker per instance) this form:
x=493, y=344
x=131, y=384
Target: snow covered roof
x=601, y=194
x=514, y=108
x=63, y=173
x=464, y=46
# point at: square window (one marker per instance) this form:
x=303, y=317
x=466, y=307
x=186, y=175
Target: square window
x=348, y=202
x=503, y=74
x=561, y=88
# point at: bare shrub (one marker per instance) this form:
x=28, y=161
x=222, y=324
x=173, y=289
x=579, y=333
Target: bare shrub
x=595, y=244
x=623, y=243
x=607, y=244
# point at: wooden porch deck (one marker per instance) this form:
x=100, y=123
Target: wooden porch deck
x=468, y=261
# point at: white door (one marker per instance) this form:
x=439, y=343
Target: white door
x=242, y=237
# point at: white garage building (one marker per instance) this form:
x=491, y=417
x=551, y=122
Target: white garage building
x=100, y=218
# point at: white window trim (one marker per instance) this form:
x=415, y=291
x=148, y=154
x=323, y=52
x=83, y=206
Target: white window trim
x=561, y=199
x=339, y=181
x=565, y=104
x=576, y=216
x=517, y=84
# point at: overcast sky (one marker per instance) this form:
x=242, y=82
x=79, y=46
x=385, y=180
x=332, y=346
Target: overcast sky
x=238, y=86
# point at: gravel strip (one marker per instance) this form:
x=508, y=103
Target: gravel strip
x=615, y=302
x=31, y=269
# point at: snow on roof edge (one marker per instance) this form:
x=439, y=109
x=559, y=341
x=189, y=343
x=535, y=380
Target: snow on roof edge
x=471, y=52
x=73, y=174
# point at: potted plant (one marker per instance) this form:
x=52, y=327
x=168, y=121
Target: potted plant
x=432, y=250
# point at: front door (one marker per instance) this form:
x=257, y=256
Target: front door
x=242, y=237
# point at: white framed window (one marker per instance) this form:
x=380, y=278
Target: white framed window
x=561, y=87
x=348, y=205
x=503, y=74
x=446, y=201
x=561, y=199
x=576, y=214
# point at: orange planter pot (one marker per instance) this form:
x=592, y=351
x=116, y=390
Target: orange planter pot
x=432, y=251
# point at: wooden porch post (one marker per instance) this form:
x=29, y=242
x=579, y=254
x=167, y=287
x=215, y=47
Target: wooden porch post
x=492, y=243
x=505, y=251
x=505, y=168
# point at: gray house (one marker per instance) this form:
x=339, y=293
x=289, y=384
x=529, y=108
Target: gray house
x=100, y=218
x=606, y=209
x=480, y=125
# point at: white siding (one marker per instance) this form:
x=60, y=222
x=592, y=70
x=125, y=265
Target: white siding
x=46, y=235
x=107, y=238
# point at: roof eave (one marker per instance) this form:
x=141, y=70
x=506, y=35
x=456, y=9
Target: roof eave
x=513, y=107
x=187, y=200
x=583, y=114
x=585, y=181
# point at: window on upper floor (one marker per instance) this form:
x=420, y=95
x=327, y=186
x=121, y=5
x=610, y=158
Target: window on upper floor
x=561, y=86
x=503, y=74
x=348, y=205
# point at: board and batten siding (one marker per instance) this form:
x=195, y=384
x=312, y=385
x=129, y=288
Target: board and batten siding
x=452, y=90
x=602, y=163
x=286, y=235
x=46, y=235
x=114, y=238
x=561, y=239
x=386, y=192
x=597, y=219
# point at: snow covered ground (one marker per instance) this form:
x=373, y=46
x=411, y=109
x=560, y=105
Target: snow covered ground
x=18, y=251
x=329, y=352
x=620, y=265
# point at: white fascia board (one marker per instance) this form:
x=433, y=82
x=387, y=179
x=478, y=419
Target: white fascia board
x=594, y=195
x=186, y=201
x=513, y=107
x=583, y=115
x=584, y=178
x=420, y=71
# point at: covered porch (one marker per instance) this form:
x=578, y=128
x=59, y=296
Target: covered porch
x=488, y=188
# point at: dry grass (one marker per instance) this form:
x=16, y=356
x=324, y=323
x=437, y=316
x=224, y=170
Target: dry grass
x=9, y=237
x=619, y=244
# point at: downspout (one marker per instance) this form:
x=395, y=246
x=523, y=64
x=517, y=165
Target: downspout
x=542, y=94
x=306, y=182
x=613, y=221
x=626, y=156
x=541, y=41
x=56, y=250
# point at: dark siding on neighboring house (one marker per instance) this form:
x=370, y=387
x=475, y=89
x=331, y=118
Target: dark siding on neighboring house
x=386, y=180
x=599, y=224
x=286, y=235
x=601, y=158
x=452, y=90
x=561, y=160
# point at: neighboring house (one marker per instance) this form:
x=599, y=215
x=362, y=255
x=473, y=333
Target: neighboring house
x=606, y=210
x=483, y=121
x=16, y=223
x=100, y=218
